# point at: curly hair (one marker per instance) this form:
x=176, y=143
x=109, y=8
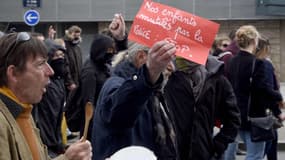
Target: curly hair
x=246, y=35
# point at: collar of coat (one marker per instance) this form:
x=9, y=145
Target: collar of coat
x=12, y=106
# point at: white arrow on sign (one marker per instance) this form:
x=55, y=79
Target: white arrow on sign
x=30, y=17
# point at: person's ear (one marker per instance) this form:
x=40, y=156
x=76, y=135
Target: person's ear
x=141, y=54
x=11, y=73
x=141, y=58
x=137, y=60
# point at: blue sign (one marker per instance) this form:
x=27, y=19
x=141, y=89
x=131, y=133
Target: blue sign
x=31, y=17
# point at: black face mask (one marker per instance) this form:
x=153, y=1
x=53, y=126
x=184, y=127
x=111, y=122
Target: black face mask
x=108, y=58
x=58, y=67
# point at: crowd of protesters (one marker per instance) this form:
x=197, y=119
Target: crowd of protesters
x=149, y=98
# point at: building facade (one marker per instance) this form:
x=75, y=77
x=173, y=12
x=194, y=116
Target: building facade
x=93, y=15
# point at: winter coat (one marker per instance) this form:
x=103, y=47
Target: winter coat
x=123, y=115
x=194, y=119
x=73, y=57
x=92, y=78
x=233, y=48
x=273, y=82
x=240, y=71
x=12, y=141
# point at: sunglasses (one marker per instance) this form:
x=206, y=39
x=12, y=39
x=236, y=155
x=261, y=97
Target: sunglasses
x=21, y=37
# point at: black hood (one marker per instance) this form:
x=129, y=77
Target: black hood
x=100, y=46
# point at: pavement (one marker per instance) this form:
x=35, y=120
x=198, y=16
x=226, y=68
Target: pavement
x=280, y=155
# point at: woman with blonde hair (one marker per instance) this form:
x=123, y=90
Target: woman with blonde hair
x=250, y=83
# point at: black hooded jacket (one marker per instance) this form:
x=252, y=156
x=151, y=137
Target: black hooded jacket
x=194, y=119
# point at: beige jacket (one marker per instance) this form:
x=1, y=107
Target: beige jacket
x=13, y=145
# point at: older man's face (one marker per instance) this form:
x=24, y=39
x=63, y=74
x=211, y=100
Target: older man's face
x=31, y=84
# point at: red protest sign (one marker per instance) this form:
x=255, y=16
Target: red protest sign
x=192, y=35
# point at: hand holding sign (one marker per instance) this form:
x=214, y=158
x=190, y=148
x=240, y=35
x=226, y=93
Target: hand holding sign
x=192, y=35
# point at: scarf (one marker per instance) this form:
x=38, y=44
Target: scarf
x=165, y=137
x=25, y=122
x=196, y=75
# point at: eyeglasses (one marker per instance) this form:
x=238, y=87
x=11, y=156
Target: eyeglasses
x=21, y=37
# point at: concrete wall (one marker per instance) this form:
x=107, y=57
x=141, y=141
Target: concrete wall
x=102, y=10
x=93, y=15
x=273, y=29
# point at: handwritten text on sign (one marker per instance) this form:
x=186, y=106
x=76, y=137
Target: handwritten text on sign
x=192, y=35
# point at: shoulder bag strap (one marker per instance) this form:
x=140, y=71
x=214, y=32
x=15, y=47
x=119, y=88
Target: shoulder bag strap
x=250, y=85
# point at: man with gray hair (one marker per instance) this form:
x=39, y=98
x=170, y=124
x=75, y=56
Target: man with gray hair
x=129, y=111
